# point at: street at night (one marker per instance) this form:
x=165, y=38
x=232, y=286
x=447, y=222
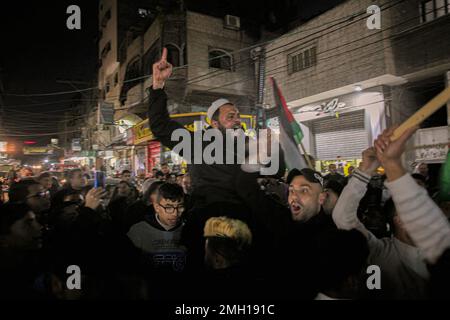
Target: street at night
x=225, y=158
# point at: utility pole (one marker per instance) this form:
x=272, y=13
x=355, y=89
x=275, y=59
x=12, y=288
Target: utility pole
x=259, y=56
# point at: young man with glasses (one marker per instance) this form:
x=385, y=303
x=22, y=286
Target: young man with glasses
x=159, y=235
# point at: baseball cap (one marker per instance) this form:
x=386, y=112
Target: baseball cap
x=310, y=175
x=215, y=106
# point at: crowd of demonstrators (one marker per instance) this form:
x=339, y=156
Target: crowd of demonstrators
x=219, y=232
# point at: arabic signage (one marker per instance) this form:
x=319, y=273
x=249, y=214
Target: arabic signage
x=431, y=144
x=325, y=108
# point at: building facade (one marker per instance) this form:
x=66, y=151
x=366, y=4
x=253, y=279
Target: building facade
x=208, y=64
x=345, y=82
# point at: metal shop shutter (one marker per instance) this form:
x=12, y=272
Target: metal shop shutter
x=345, y=136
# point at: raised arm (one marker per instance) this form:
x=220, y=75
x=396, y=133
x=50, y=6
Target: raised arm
x=345, y=213
x=161, y=125
x=422, y=218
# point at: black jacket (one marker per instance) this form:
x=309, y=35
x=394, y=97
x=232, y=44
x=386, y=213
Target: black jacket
x=284, y=247
x=211, y=183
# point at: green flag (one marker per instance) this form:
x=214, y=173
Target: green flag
x=444, y=193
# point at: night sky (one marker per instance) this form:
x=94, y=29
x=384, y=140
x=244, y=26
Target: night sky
x=38, y=50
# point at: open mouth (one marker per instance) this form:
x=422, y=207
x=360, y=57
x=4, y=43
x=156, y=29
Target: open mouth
x=296, y=208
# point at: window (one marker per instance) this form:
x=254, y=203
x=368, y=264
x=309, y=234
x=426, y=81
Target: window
x=106, y=18
x=173, y=55
x=150, y=57
x=106, y=49
x=133, y=69
x=433, y=9
x=302, y=60
x=220, y=59
x=116, y=79
x=133, y=76
x=107, y=86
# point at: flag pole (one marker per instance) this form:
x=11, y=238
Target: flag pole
x=305, y=155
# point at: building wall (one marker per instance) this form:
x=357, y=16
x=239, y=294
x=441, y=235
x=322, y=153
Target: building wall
x=419, y=49
x=110, y=62
x=347, y=52
x=193, y=40
x=204, y=32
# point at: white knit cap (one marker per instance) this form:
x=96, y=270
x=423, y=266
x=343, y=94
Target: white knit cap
x=215, y=106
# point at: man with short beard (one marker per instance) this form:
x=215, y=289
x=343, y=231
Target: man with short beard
x=211, y=184
x=288, y=233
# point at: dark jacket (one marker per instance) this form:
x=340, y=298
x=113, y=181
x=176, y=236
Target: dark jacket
x=211, y=183
x=284, y=247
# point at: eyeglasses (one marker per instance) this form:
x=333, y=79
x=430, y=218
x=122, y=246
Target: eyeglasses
x=171, y=209
x=43, y=194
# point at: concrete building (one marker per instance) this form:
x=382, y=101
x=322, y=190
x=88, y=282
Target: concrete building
x=209, y=63
x=346, y=82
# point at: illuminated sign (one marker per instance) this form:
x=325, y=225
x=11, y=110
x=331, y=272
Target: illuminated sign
x=36, y=151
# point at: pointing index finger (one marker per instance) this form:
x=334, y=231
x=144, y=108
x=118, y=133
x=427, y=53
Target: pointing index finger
x=164, y=55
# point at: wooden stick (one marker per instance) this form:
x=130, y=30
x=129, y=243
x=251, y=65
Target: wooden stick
x=308, y=161
x=423, y=113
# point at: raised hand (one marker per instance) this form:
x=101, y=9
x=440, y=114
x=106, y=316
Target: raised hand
x=162, y=70
x=94, y=198
x=369, y=161
x=391, y=151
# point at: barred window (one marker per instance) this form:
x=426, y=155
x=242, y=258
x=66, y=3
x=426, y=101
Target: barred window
x=302, y=60
x=433, y=9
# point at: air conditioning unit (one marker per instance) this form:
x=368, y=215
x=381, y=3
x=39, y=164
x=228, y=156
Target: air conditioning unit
x=232, y=22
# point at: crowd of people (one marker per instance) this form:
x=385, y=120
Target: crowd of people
x=222, y=233
x=317, y=234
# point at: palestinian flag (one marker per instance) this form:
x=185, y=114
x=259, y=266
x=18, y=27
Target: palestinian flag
x=444, y=193
x=290, y=132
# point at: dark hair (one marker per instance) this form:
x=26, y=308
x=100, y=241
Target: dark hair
x=159, y=174
x=170, y=191
x=72, y=172
x=19, y=190
x=125, y=171
x=58, y=199
x=340, y=255
x=44, y=175
x=150, y=190
x=133, y=193
x=215, y=115
x=420, y=177
x=10, y=213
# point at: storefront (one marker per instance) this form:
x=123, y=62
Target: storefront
x=149, y=153
x=339, y=129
